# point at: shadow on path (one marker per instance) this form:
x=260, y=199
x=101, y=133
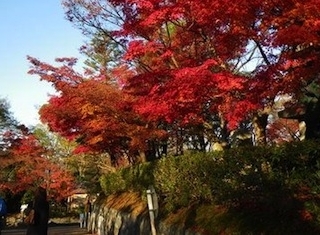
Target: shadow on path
x=53, y=230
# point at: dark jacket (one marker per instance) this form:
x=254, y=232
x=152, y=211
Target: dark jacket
x=40, y=226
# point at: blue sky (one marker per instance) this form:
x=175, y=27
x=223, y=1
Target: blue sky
x=36, y=28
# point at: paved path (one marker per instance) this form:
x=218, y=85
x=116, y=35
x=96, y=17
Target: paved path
x=56, y=230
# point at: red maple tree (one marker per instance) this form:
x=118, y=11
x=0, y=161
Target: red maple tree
x=182, y=65
x=27, y=167
x=94, y=112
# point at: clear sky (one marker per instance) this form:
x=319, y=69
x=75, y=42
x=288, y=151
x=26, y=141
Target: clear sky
x=37, y=28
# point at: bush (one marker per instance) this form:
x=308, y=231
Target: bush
x=184, y=179
x=112, y=183
x=249, y=180
x=136, y=178
x=139, y=177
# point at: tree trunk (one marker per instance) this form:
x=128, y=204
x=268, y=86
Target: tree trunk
x=259, y=129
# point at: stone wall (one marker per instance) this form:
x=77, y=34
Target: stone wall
x=127, y=215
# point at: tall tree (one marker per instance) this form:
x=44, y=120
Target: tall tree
x=8, y=125
x=182, y=68
x=6, y=118
x=57, y=148
x=175, y=50
x=65, y=154
x=26, y=166
x=93, y=111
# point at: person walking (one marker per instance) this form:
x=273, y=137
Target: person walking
x=40, y=207
x=3, y=213
x=87, y=212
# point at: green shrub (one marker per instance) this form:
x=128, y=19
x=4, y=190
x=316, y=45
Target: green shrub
x=185, y=179
x=249, y=181
x=112, y=183
x=139, y=177
x=136, y=178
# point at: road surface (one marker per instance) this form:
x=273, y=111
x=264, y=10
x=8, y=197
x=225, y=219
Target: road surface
x=55, y=230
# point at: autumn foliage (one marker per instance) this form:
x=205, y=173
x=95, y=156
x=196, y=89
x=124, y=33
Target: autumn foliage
x=26, y=166
x=182, y=72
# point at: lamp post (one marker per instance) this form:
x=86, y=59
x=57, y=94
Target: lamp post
x=153, y=207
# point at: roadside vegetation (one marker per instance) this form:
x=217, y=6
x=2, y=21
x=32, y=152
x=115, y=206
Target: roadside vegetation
x=256, y=190
x=166, y=84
